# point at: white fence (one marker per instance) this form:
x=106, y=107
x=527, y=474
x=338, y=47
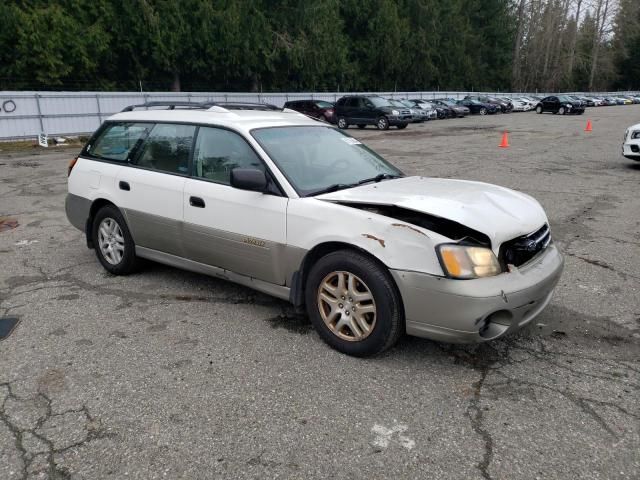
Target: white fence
x=26, y=114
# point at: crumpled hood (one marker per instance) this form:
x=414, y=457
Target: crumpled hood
x=500, y=213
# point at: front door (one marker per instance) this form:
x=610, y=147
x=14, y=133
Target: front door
x=237, y=230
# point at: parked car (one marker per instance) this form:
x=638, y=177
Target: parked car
x=314, y=108
x=457, y=110
x=597, y=101
x=297, y=209
x=609, y=101
x=625, y=100
x=520, y=105
x=481, y=108
x=503, y=106
x=561, y=104
x=428, y=107
x=444, y=111
x=587, y=101
x=366, y=110
x=416, y=115
x=631, y=143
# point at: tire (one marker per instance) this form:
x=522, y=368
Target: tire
x=342, y=123
x=562, y=111
x=386, y=321
x=401, y=126
x=382, y=123
x=483, y=111
x=539, y=109
x=361, y=126
x=110, y=221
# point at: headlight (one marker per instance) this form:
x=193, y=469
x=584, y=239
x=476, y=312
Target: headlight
x=635, y=134
x=464, y=262
x=568, y=105
x=395, y=112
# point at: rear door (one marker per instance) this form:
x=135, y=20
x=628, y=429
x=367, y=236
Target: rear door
x=151, y=189
x=237, y=230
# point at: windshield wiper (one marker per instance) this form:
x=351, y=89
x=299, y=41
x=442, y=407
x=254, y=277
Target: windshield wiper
x=332, y=188
x=378, y=178
x=342, y=186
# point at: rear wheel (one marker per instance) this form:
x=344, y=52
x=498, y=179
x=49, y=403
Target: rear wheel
x=342, y=123
x=483, y=111
x=382, y=123
x=113, y=243
x=539, y=109
x=353, y=303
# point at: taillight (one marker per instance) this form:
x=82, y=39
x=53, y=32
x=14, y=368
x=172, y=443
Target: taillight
x=72, y=164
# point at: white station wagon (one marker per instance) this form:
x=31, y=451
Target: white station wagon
x=298, y=209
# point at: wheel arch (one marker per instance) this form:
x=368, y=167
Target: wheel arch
x=299, y=277
x=96, y=205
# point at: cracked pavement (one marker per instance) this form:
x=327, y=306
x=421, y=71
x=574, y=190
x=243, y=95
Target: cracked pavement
x=170, y=374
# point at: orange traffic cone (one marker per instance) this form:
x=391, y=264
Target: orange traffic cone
x=589, y=127
x=505, y=140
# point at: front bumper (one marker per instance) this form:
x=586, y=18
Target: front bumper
x=631, y=149
x=399, y=119
x=471, y=311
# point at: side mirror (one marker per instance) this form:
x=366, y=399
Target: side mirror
x=250, y=179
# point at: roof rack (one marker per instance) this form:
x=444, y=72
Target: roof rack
x=172, y=105
x=248, y=106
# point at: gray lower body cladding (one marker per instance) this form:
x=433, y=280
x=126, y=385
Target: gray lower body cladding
x=78, y=210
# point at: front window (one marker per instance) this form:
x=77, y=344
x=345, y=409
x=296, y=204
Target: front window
x=316, y=159
x=218, y=151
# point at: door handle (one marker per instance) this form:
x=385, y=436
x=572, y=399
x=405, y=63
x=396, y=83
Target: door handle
x=196, y=202
x=124, y=186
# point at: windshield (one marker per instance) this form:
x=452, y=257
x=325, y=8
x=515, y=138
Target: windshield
x=564, y=98
x=316, y=158
x=379, y=101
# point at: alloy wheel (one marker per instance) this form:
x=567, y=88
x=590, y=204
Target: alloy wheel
x=111, y=241
x=346, y=306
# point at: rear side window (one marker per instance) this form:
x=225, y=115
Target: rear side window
x=218, y=151
x=118, y=141
x=167, y=148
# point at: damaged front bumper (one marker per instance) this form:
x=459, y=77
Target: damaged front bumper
x=470, y=311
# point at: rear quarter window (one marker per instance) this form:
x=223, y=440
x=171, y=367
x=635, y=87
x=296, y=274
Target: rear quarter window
x=117, y=141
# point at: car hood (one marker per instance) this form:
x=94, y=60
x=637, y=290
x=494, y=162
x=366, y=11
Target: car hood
x=500, y=213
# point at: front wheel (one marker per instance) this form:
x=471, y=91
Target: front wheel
x=539, y=109
x=354, y=304
x=382, y=123
x=483, y=111
x=113, y=242
x=562, y=111
x=342, y=123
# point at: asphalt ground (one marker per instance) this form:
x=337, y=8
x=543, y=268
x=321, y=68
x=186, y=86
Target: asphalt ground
x=170, y=374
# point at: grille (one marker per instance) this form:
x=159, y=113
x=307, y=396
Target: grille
x=522, y=249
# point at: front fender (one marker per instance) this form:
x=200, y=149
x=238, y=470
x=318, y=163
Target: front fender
x=397, y=244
